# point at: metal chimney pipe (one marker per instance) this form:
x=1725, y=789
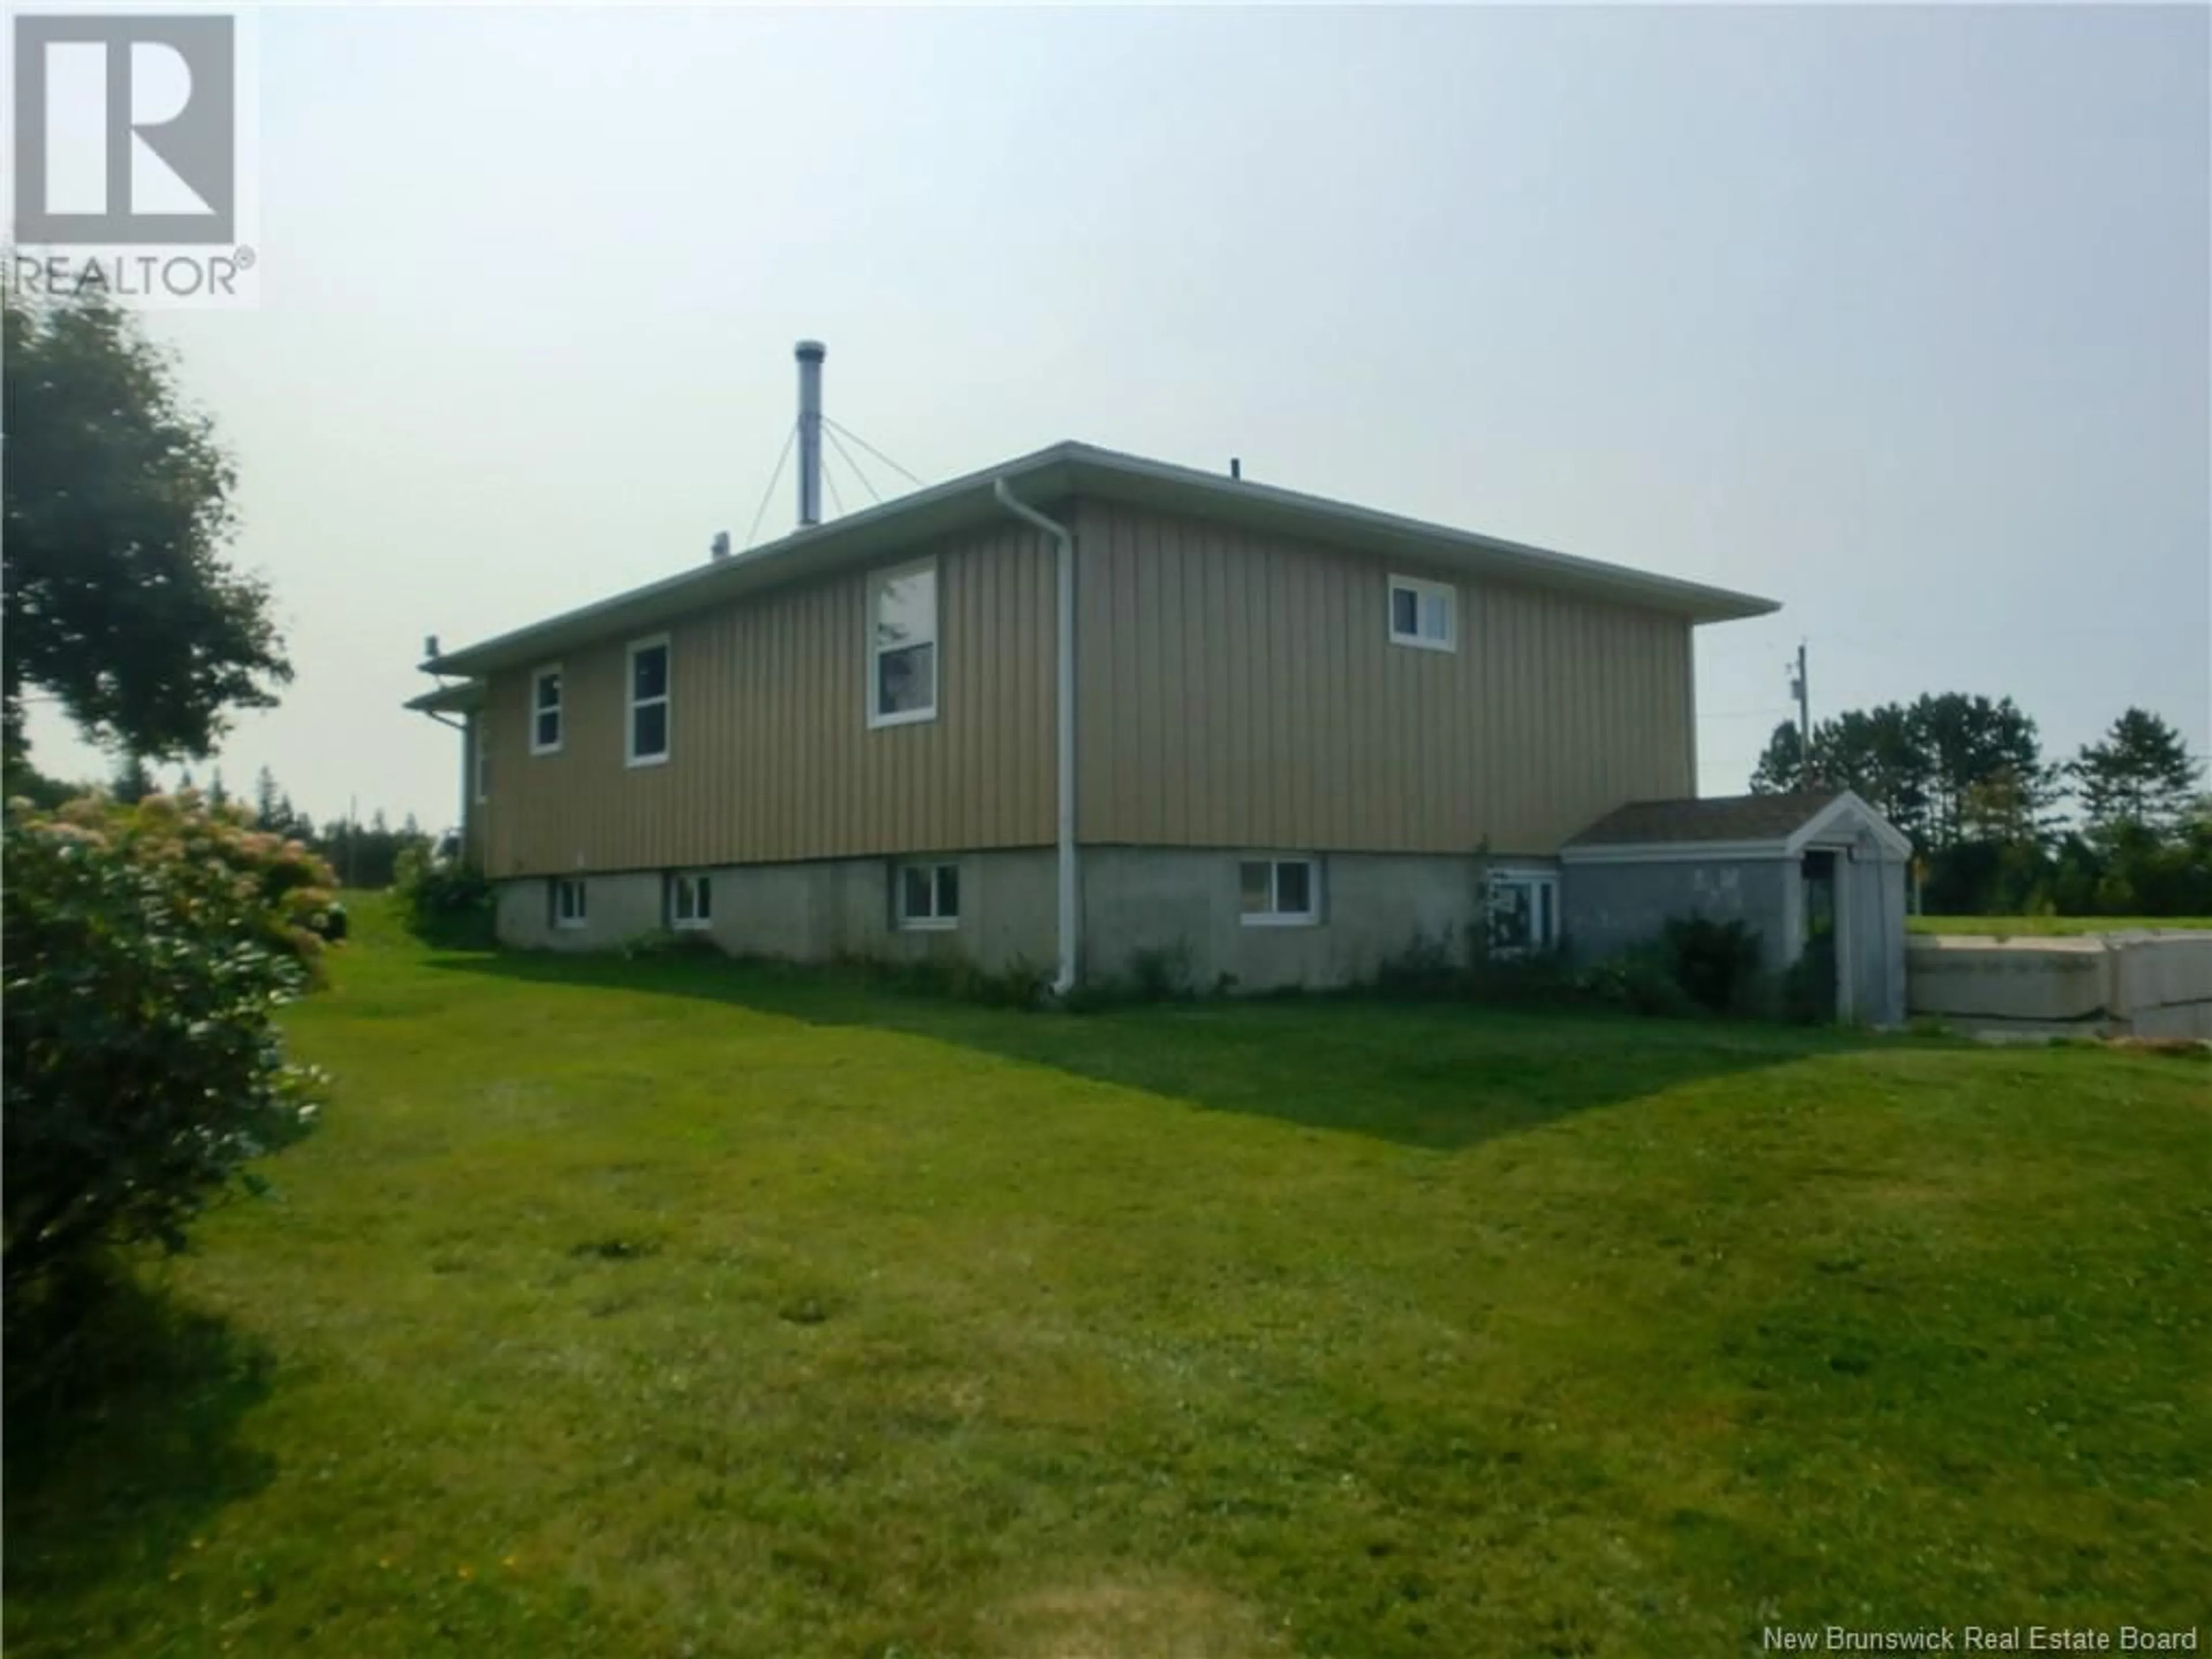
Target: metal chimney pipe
x=810, y=353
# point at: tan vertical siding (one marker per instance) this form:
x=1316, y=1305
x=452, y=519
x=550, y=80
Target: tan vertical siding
x=1234, y=690
x=771, y=757
x=1240, y=691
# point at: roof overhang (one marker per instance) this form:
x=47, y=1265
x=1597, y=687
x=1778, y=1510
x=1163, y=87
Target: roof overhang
x=1073, y=469
x=1840, y=823
x=450, y=699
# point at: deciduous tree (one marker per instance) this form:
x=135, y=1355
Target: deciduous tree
x=118, y=505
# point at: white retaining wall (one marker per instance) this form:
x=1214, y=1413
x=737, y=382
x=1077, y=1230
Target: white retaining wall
x=2135, y=984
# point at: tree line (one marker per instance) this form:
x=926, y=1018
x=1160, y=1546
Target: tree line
x=2122, y=827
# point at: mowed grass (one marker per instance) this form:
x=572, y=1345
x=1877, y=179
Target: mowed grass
x=667, y=1308
x=2050, y=926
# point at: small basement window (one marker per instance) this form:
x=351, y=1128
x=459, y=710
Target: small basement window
x=1423, y=613
x=648, y=703
x=1523, y=912
x=567, y=900
x=1280, y=892
x=545, y=711
x=927, y=896
x=903, y=645
x=690, y=901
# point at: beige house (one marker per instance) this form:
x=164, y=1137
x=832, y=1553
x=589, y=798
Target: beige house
x=1075, y=707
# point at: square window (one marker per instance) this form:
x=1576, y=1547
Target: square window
x=1522, y=914
x=927, y=895
x=1278, y=892
x=648, y=731
x=1423, y=613
x=690, y=901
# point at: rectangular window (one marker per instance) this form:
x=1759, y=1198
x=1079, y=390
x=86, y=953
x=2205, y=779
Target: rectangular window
x=480, y=758
x=1523, y=912
x=566, y=900
x=903, y=645
x=1423, y=613
x=1280, y=892
x=648, y=703
x=690, y=901
x=545, y=711
x=927, y=894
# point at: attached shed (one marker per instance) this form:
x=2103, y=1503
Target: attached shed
x=1820, y=872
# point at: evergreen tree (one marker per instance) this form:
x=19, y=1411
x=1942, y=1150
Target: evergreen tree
x=132, y=782
x=2139, y=777
x=1781, y=768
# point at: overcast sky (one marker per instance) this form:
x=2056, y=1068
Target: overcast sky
x=1898, y=316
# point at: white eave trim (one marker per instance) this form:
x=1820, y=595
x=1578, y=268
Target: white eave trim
x=1849, y=814
x=1673, y=852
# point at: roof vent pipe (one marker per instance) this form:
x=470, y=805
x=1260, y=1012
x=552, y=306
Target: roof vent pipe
x=810, y=353
x=1236, y=467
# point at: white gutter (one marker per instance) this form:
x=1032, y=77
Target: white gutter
x=1069, y=912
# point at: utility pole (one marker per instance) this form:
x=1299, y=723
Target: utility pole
x=1798, y=690
x=353, y=835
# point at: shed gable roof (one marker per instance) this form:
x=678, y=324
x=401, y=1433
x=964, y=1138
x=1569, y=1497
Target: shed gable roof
x=1720, y=817
x=1736, y=826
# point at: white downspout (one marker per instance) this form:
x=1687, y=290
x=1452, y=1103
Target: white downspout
x=1069, y=912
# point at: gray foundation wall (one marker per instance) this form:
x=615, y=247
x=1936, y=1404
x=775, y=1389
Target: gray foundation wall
x=814, y=911
x=1373, y=906
x=1610, y=907
x=1184, y=902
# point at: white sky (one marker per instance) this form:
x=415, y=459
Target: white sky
x=1899, y=316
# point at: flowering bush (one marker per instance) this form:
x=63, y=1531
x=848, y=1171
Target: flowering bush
x=147, y=948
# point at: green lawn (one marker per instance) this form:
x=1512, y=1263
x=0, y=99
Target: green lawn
x=673, y=1309
x=2044, y=926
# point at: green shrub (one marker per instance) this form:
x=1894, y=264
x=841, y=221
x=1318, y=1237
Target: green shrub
x=1641, y=982
x=666, y=944
x=1160, y=973
x=443, y=901
x=946, y=973
x=1427, y=967
x=147, y=947
x=1715, y=962
x=1808, y=988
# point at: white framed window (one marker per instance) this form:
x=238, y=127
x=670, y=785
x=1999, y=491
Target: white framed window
x=1522, y=912
x=1424, y=614
x=645, y=742
x=903, y=645
x=1280, y=892
x=925, y=894
x=565, y=899
x=691, y=900
x=545, y=710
